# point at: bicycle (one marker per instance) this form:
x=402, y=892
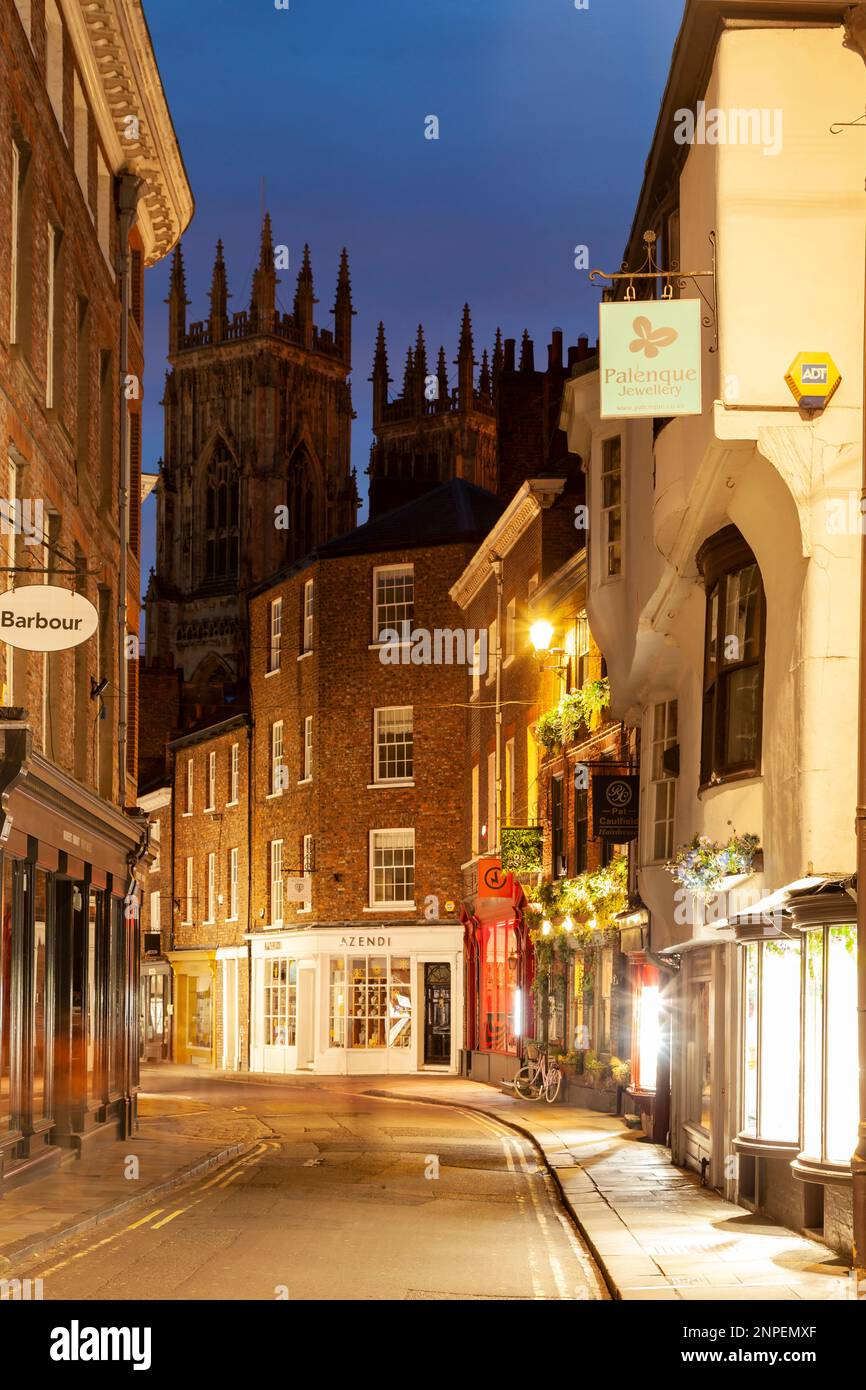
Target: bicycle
x=538, y=1076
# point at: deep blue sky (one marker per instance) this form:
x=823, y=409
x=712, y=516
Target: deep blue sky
x=546, y=113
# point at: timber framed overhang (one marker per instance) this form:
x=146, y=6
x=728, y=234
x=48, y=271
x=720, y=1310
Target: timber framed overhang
x=119, y=72
x=534, y=497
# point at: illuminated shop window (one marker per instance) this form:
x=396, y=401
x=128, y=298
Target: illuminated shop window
x=379, y=1002
x=771, y=1040
x=500, y=1000
x=830, y=1044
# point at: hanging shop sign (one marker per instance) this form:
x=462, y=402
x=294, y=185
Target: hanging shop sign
x=46, y=618
x=299, y=890
x=650, y=358
x=615, y=802
x=812, y=378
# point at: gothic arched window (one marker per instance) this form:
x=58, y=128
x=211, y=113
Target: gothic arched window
x=221, y=513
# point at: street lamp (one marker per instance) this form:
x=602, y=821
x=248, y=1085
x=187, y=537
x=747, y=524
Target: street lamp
x=541, y=636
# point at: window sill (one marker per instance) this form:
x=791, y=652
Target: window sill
x=275, y=672
x=304, y=781
x=230, y=804
x=303, y=911
x=272, y=796
x=209, y=922
x=728, y=778
x=820, y=1171
x=209, y=810
x=391, y=907
x=378, y=646
x=508, y=661
x=303, y=655
x=185, y=815
x=393, y=784
x=765, y=1148
x=232, y=919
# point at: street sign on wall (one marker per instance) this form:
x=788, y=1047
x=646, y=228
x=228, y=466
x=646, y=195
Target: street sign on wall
x=650, y=358
x=46, y=618
x=615, y=805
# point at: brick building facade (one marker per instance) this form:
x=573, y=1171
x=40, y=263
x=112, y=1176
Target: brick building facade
x=92, y=190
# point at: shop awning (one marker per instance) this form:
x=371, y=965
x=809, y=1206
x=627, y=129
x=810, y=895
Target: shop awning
x=713, y=936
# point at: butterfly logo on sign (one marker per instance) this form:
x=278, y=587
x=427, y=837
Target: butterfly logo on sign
x=650, y=340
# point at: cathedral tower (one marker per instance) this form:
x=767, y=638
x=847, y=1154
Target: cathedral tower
x=256, y=473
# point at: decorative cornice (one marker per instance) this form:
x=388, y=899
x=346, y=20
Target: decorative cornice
x=536, y=495
x=118, y=68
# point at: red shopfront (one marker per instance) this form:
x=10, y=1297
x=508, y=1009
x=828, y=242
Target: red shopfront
x=499, y=970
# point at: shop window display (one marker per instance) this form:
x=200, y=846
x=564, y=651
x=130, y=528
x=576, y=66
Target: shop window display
x=379, y=998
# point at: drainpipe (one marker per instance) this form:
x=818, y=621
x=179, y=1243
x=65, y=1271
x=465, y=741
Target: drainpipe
x=128, y=190
x=496, y=566
x=855, y=37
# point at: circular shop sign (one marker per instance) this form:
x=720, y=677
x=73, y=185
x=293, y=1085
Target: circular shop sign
x=46, y=618
x=619, y=794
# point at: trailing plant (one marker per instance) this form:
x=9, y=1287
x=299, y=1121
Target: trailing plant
x=589, y=897
x=561, y=724
x=620, y=1071
x=522, y=848
x=702, y=864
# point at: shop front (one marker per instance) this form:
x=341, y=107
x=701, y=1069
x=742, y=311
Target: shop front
x=69, y=962
x=194, y=990
x=799, y=1059
x=499, y=973
x=155, y=1011
x=346, y=1001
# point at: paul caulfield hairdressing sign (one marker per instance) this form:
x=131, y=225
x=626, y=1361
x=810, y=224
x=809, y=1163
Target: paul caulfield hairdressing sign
x=45, y=618
x=650, y=358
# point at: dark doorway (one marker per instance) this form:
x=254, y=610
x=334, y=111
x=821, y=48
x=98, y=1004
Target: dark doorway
x=437, y=1014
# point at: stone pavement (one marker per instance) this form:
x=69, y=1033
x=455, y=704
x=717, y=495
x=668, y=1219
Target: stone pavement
x=655, y=1232
x=177, y=1138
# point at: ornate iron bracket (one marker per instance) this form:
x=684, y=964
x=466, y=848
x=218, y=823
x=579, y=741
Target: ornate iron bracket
x=650, y=270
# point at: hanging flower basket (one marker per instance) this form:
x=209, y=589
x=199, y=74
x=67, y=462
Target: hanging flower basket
x=577, y=709
x=703, y=865
x=522, y=848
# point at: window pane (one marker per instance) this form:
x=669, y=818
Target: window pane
x=841, y=1066
x=742, y=615
x=741, y=724
x=750, y=1040
x=812, y=1043
x=337, y=1021
x=780, y=1040
x=400, y=1003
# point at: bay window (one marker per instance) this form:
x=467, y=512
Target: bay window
x=771, y=1040
x=733, y=658
x=499, y=995
x=830, y=1045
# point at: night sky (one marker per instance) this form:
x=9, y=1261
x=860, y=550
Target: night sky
x=545, y=114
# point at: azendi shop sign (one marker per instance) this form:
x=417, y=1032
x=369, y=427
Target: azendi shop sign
x=650, y=358
x=46, y=618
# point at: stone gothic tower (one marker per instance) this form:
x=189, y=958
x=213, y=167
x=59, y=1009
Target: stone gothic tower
x=431, y=432
x=258, y=418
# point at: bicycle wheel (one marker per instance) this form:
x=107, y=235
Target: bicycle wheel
x=526, y=1082
x=554, y=1081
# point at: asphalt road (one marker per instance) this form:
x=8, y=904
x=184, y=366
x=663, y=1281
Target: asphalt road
x=343, y=1196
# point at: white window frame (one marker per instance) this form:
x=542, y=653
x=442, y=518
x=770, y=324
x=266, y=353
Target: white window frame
x=275, y=629
x=510, y=630
x=276, y=904
x=308, y=749
x=80, y=132
x=187, y=921
x=190, y=786
x=277, y=758
x=395, y=905
x=211, y=889
x=233, y=884
x=54, y=60
x=13, y=301
x=154, y=910
x=492, y=650
x=211, y=781
x=475, y=669
x=307, y=860
x=155, y=834
x=492, y=837
x=656, y=747
x=380, y=572
x=508, y=809
x=475, y=797
x=103, y=205
x=53, y=235
x=607, y=512
x=234, y=774
x=309, y=601
x=378, y=779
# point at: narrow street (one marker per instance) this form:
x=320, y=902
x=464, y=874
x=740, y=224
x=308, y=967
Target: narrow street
x=339, y=1201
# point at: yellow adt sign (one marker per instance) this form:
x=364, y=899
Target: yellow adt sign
x=812, y=377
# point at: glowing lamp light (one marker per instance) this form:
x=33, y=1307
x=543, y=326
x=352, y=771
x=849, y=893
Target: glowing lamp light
x=546, y=928
x=591, y=923
x=568, y=925
x=541, y=635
